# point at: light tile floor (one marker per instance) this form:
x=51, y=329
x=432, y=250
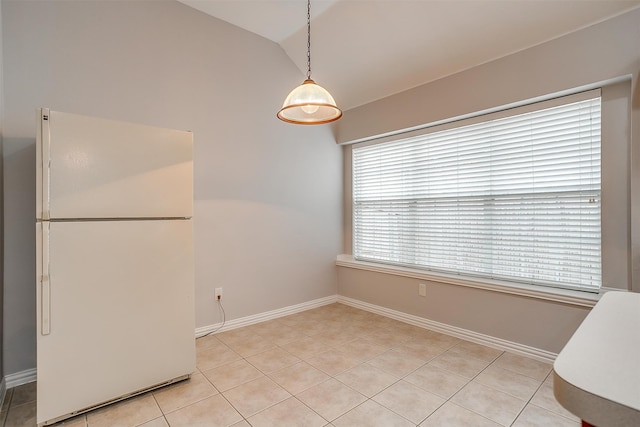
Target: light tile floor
x=334, y=366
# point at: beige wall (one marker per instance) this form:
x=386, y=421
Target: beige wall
x=539, y=324
x=606, y=52
x=268, y=195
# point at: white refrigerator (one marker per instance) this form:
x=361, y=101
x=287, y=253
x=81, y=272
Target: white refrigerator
x=114, y=261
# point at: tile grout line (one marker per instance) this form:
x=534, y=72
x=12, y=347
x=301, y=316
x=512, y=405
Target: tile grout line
x=295, y=396
x=532, y=396
x=222, y=393
x=393, y=347
x=336, y=348
x=361, y=363
x=398, y=380
x=386, y=388
x=546, y=409
x=402, y=379
x=469, y=382
x=4, y=422
x=159, y=407
x=216, y=388
x=528, y=401
x=310, y=408
x=491, y=363
x=292, y=395
x=450, y=397
x=416, y=369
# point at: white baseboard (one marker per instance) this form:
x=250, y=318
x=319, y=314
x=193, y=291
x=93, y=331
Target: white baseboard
x=269, y=315
x=29, y=375
x=489, y=341
x=19, y=378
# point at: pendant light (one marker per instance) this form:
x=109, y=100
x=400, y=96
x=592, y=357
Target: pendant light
x=309, y=104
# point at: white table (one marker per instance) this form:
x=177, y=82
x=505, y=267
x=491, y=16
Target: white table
x=597, y=374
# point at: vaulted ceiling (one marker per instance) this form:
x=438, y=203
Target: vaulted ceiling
x=364, y=50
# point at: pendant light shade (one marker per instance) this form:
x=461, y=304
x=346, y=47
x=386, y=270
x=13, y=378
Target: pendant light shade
x=309, y=103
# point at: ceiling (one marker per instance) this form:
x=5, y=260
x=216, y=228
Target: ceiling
x=364, y=50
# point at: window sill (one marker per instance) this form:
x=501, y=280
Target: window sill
x=571, y=297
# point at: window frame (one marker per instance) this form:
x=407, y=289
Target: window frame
x=463, y=277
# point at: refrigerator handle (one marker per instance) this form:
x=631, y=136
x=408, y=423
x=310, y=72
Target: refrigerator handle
x=46, y=161
x=45, y=281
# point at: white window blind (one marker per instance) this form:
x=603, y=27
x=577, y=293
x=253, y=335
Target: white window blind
x=513, y=198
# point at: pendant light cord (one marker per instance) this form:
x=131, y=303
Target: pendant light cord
x=308, y=39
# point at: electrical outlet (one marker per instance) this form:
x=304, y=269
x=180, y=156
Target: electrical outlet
x=218, y=293
x=422, y=289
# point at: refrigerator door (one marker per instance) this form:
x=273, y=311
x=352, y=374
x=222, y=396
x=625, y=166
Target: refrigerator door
x=120, y=304
x=95, y=168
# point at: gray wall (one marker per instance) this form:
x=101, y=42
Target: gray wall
x=267, y=194
x=1, y=203
x=605, y=52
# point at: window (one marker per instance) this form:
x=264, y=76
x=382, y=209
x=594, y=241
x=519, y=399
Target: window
x=513, y=196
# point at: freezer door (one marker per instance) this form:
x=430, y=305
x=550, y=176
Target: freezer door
x=95, y=168
x=121, y=311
